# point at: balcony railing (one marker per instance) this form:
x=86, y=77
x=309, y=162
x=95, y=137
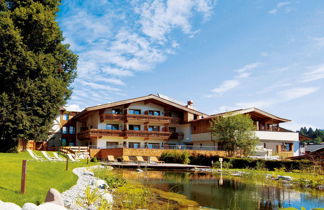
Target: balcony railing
x=98, y=133
x=140, y=118
x=168, y=147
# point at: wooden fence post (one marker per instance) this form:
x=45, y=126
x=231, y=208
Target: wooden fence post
x=67, y=164
x=23, y=177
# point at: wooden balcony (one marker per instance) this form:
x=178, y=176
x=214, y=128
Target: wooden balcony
x=98, y=133
x=112, y=117
x=162, y=135
x=138, y=118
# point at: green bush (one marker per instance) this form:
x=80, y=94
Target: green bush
x=175, y=157
x=259, y=164
x=94, y=159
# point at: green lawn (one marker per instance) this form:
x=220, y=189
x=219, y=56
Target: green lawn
x=41, y=176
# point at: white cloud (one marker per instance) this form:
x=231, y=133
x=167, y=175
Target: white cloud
x=117, y=72
x=113, y=81
x=281, y=97
x=280, y=6
x=294, y=93
x=158, y=17
x=73, y=107
x=227, y=85
x=313, y=75
x=97, y=86
x=319, y=41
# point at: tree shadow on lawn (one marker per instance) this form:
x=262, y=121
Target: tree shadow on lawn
x=10, y=190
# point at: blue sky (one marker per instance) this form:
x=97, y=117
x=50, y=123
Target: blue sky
x=223, y=55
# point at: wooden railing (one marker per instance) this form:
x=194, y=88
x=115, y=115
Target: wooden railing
x=98, y=133
x=148, y=134
x=140, y=118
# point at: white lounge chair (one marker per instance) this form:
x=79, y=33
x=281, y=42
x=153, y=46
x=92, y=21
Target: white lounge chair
x=58, y=157
x=34, y=156
x=72, y=158
x=48, y=157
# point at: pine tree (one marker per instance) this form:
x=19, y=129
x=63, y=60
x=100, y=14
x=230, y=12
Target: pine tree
x=36, y=69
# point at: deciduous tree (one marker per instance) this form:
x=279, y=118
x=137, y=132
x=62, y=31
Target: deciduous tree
x=235, y=133
x=36, y=69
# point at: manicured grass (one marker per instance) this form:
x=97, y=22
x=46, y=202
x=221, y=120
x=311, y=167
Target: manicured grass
x=41, y=176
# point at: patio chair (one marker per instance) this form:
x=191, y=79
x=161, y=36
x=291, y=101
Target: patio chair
x=140, y=159
x=156, y=160
x=58, y=157
x=125, y=159
x=34, y=156
x=111, y=158
x=48, y=157
x=72, y=158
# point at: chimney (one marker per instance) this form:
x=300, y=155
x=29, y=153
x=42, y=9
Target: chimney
x=190, y=104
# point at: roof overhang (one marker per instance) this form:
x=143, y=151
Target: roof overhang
x=150, y=97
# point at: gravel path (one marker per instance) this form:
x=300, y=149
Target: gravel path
x=86, y=178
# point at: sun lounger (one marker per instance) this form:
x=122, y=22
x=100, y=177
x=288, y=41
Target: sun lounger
x=58, y=157
x=111, y=158
x=126, y=159
x=140, y=159
x=34, y=156
x=72, y=158
x=48, y=157
x=155, y=160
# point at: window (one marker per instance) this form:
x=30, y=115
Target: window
x=63, y=142
x=134, y=111
x=64, y=130
x=112, y=127
x=134, y=145
x=153, y=145
x=154, y=128
x=116, y=111
x=172, y=129
x=155, y=113
x=112, y=144
x=65, y=116
x=134, y=127
x=72, y=130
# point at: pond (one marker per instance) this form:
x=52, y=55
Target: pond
x=230, y=193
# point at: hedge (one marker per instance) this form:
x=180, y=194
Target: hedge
x=175, y=157
x=241, y=163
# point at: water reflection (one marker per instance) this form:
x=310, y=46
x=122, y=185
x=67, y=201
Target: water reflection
x=221, y=193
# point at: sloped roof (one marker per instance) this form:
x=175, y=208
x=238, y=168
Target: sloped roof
x=138, y=99
x=245, y=111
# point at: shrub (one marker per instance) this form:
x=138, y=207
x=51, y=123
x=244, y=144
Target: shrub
x=241, y=163
x=94, y=159
x=225, y=164
x=175, y=157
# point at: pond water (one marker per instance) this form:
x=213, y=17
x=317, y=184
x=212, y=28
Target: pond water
x=208, y=191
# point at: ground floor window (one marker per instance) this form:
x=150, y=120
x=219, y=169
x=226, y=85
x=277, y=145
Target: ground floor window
x=111, y=144
x=153, y=145
x=134, y=145
x=286, y=147
x=63, y=142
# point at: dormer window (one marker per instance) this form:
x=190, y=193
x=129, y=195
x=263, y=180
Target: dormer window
x=134, y=111
x=154, y=113
x=65, y=116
